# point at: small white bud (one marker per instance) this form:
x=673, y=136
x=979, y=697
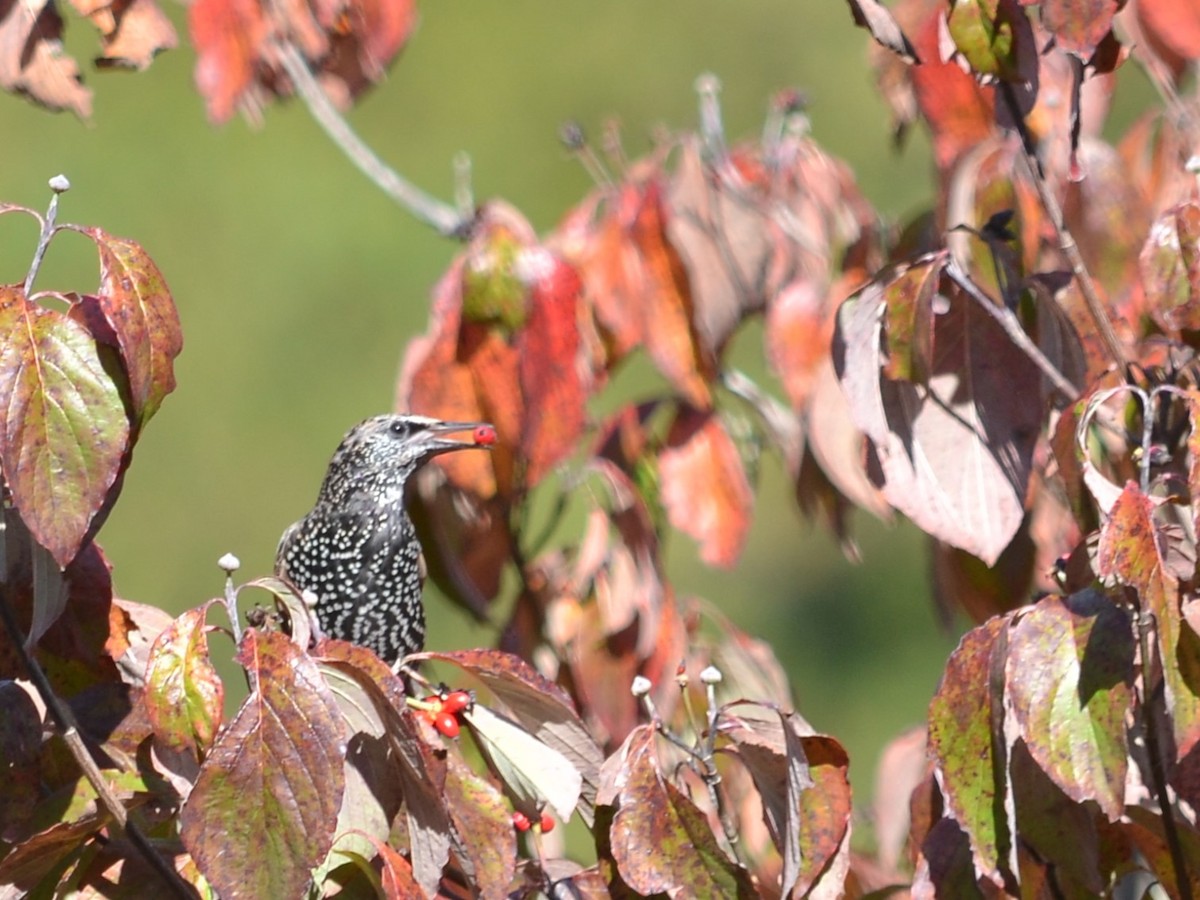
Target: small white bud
x=711, y=675
x=59, y=184
x=229, y=563
x=641, y=686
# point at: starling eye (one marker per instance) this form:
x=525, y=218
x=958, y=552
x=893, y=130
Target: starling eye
x=399, y=429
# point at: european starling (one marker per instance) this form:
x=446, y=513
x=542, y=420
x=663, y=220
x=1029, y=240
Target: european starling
x=357, y=550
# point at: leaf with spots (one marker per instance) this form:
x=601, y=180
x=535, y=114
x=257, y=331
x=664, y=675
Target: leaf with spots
x=963, y=745
x=63, y=430
x=137, y=305
x=185, y=697
x=1069, y=676
x=1133, y=549
x=1079, y=26
x=484, y=840
x=264, y=806
x=660, y=840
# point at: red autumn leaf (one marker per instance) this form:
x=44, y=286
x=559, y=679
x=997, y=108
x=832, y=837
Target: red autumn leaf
x=1078, y=26
x=798, y=330
x=549, y=366
x=33, y=62
x=958, y=110
x=63, y=430
x=1173, y=23
x=704, y=486
x=137, y=305
x=228, y=36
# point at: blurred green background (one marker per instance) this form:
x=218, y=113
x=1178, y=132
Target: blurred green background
x=299, y=284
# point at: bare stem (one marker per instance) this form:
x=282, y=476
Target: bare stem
x=1146, y=629
x=1007, y=320
x=58, y=184
x=1066, y=241
x=443, y=218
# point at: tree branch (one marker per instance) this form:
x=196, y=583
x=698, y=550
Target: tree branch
x=443, y=218
x=1066, y=241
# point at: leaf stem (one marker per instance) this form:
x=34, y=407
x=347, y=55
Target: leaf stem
x=67, y=727
x=443, y=218
x=1066, y=241
x=1145, y=625
x=59, y=185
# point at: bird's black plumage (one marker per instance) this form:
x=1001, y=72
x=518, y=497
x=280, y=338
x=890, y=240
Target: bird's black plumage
x=357, y=550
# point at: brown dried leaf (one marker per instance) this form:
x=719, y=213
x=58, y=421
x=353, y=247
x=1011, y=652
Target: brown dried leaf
x=132, y=32
x=875, y=17
x=32, y=61
x=955, y=458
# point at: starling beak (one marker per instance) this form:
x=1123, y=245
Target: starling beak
x=357, y=550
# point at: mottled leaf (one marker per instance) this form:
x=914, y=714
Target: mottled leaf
x=141, y=312
x=660, y=840
x=992, y=35
x=63, y=430
x=1170, y=267
x=263, y=810
x=1069, y=677
x=704, y=486
x=963, y=744
x=485, y=841
x=908, y=319
x=185, y=697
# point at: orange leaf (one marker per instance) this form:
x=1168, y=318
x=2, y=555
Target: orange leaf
x=228, y=36
x=704, y=486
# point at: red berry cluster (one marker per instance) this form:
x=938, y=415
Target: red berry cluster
x=521, y=822
x=442, y=710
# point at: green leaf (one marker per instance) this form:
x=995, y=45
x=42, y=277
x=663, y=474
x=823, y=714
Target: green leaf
x=1069, y=676
x=63, y=431
x=185, y=698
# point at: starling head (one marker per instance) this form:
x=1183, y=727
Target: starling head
x=377, y=456
x=357, y=550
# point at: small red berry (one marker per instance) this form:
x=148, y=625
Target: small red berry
x=485, y=435
x=547, y=822
x=456, y=701
x=521, y=821
x=446, y=724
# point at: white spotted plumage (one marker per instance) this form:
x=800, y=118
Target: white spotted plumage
x=357, y=550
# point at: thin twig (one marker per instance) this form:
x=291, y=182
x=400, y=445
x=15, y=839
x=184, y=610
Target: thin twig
x=1012, y=327
x=440, y=216
x=64, y=721
x=1145, y=624
x=1066, y=241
